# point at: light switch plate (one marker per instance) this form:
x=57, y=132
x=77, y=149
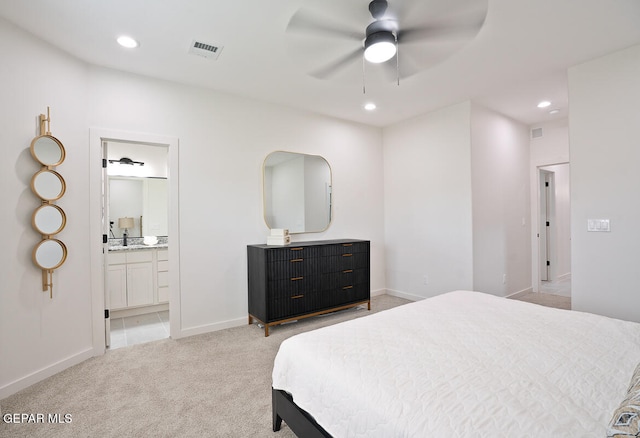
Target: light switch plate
x=598, y=225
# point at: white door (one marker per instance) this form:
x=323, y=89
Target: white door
x=105, y=246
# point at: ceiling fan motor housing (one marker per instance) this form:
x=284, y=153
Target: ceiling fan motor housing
x=378, y=8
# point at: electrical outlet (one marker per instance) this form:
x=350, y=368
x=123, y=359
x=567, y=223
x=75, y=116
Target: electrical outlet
x=425, y=279
x=504, y=279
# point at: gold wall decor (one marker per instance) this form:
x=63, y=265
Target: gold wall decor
x=48, y=219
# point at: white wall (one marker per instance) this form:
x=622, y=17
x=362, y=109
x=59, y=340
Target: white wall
x=605, y=181
x=427, y=192
x=223, y=142
x=40, y=336
x=500, y=181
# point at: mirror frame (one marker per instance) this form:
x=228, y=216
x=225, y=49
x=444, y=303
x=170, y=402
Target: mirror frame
x=264, y=189
x=38, y=175
x=41, y=247
x=39, y=157
x=39, y=211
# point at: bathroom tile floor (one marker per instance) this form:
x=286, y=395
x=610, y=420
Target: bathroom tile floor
x=139, y=329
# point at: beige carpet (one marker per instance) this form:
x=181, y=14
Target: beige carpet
x=549, y=300
x=212, y=385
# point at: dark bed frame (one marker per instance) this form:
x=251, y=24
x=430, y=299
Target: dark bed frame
x=298, y=420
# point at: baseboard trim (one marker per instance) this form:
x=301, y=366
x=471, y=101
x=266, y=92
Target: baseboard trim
x=520, y=293
x=208, y=328
x=378, y=292
x=44, y=373
x=404, y=295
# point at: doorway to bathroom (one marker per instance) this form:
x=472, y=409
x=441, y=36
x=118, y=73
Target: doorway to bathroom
x=137, y=266
x=138, y=281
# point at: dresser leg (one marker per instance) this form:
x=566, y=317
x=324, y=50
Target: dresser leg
x=266, y=330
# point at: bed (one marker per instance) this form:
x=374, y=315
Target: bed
x=462, y=364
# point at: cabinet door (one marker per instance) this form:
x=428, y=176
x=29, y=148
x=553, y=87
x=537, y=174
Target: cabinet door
x=139, y=284
x=117, y=283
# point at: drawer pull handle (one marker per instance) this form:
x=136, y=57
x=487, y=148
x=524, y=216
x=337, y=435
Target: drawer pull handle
x=295, y=297
x=296, y=278
x=347, y=244
x=348, y=271
x=296, y=260
x=347, y=287
x=347, y=255
x=297, y=249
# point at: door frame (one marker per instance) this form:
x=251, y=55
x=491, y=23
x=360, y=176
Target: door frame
x=537, y=223
x=97, y=228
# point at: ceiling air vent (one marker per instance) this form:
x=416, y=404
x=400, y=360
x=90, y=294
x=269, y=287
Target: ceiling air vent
x=206, y=50
x=536, y=133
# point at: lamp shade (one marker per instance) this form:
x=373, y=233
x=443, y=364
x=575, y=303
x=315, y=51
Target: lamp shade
x=125, y=222
x=379, y=47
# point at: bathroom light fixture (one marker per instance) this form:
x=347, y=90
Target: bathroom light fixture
x=554, y=111
x=125, y=160
x=370, y=106
x=544, y=104
x=380, y=47
x=127, y=41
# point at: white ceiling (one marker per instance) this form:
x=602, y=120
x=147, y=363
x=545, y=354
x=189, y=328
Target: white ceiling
x=519, y=57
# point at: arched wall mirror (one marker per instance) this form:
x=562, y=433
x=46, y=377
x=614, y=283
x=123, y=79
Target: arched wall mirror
x=297, y=192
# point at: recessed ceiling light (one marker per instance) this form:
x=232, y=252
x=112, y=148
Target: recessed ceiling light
x=544, y=104
x=127, y=41
x=370, y=106
x=554, y=111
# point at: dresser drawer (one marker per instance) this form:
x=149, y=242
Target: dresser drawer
x=346, y=294
x=345, y=248
x=346, y=261
x=293, y=286
x=349, y=277
x=292, y=268
x=296, y=305
x=292, y=252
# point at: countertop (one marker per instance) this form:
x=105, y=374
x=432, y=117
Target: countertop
x=137, y=247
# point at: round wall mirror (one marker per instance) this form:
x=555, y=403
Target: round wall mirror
x=48, y=219
x=48, y=185
x=47, y=150
x=49, y=254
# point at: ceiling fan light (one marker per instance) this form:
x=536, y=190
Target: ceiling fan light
x=379, y=47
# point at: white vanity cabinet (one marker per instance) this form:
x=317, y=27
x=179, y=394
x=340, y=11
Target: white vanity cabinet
x=163, y=275
x=131, y=281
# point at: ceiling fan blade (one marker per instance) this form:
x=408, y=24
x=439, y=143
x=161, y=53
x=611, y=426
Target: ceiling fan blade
x=310, y=23
x=452, y=25
x=403, y=68
x=436, y=33
x=339, y=64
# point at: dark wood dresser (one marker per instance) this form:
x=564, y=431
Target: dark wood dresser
x=305, y=279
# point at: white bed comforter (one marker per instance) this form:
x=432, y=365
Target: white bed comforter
x=463, y=364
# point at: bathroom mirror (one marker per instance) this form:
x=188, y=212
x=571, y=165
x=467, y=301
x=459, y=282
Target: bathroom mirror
x=47, y=150
x=48, y=185
x=49, y=254
x=145, y=200
x=297, y=192
x=48, y=219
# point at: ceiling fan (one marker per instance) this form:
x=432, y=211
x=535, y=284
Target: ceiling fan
x=425, y=32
